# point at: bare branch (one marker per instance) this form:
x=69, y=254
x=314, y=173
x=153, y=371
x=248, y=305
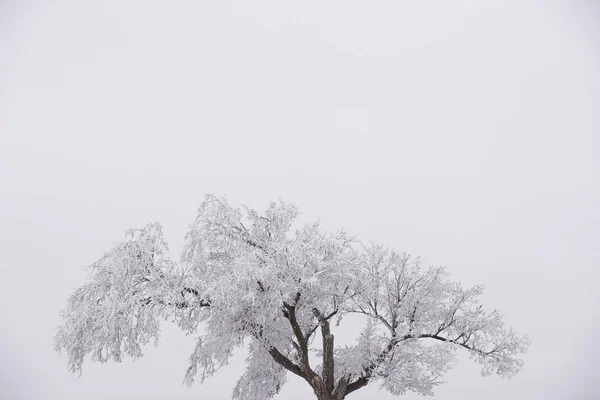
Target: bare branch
x=328, y=341
x=290, y=314
x=286, y=362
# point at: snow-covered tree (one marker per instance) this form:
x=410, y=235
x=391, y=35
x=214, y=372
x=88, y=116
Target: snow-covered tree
x=245, y=279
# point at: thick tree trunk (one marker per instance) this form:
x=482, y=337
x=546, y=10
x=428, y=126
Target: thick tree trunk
x=323, y=394
x=326, y=396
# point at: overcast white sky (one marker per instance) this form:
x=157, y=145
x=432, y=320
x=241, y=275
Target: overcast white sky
x=464, y=132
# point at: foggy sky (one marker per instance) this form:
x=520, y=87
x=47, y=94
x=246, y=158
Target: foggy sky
x=464, y=132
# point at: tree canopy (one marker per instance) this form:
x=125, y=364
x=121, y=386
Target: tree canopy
x=244, y=279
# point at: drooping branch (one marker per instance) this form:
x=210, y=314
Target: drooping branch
x=178, y=304
x=499, y=354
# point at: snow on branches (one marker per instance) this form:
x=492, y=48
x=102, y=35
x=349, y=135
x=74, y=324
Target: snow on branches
x=245, y=277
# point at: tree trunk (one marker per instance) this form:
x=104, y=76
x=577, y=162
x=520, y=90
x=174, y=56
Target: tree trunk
x=323, y=394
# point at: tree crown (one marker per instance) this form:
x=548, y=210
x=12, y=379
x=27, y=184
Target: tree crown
x=247, y=278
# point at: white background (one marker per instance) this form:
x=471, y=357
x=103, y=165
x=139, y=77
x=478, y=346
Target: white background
x=463, y=132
